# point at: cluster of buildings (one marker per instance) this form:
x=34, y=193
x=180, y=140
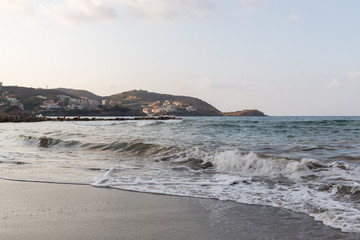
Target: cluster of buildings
x=66, y=102
x=10, y=101
x=13, y=102
x=61, y=102
x=109, y=103
x=167, y=107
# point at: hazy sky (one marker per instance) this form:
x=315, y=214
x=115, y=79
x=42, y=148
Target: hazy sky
x=284, y=57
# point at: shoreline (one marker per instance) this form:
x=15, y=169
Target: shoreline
x=58, y=211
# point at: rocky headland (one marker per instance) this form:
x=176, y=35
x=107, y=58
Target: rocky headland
x=245, y=113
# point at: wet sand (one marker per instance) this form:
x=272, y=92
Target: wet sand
x=56, y=211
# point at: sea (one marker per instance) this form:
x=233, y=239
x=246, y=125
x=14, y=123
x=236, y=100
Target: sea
x=309, y=165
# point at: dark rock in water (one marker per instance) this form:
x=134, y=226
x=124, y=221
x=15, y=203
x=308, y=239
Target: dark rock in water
x=245, y=113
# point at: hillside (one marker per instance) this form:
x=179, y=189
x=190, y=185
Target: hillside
x=23, y=93
x=138, y=99
x=64, y=101
x=81, y=93
x=56, y=102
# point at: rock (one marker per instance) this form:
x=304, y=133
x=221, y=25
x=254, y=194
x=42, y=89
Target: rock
x=246, y=113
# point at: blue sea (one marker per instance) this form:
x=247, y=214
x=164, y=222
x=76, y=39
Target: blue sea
x=309, y=165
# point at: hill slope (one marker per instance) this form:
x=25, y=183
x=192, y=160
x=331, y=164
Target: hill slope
x=23, y=93
x=128, y=103
x=141, y=98
x=81, y=93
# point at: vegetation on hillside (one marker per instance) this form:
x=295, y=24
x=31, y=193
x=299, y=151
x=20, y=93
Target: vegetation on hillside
x=141, y=98
x=245, y=113
x=63, y=101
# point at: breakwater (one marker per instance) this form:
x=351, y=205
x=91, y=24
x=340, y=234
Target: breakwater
x=20, y=118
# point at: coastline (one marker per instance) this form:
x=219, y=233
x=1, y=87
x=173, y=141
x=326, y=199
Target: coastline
x=58, y=211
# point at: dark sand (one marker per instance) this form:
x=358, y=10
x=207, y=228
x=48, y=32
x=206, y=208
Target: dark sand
x=55, y=211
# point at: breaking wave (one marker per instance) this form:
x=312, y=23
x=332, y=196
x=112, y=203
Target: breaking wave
x=318, y=177
x=304, y=185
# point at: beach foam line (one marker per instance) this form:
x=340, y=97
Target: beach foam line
x=41, y=181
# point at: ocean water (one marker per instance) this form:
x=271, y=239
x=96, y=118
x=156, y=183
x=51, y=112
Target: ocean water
x=305, y=164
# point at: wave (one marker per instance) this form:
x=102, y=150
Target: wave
x=46, y=142
x=328, y=192
x=139, y=123
x=133, y=148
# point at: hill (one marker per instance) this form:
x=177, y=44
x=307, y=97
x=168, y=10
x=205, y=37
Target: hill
x=168, y=104
x=23, y=93
x=65, y=101
x=81, y=93
x=56, y=102
x=245, y=113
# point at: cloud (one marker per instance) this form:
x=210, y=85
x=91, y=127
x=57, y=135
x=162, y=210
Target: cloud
x=75, y=11
x=294, y=17
x=354, y=75
x=251, y=5
x=334, y=83
x=167, y=9
x=17, y=6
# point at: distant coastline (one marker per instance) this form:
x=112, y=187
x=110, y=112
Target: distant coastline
x=24, y=101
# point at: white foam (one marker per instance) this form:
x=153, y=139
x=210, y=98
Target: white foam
x=142, y=123
x=139, y=123
x=248, y=164
x=100, y=123
x=238, y=177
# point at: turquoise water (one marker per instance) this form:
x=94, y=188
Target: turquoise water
x=305, y=164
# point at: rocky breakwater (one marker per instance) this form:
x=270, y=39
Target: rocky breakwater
x=20, y=118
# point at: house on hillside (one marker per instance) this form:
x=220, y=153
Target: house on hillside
x=15, y=103
x=177, y=103
x=50, y=105
x=147, y=111
x=62, y=97
x=191, y=109
x=41, y=97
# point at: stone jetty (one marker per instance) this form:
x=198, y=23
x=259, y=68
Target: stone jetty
x=20, y=118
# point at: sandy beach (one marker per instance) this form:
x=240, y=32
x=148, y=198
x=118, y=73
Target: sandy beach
x=56, y=211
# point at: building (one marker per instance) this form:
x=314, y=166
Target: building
x=191, y=109
x=104, y=102
x=62, y=97
x=131, y=98
x=147, y=111
x=41, y=97
x=50, y=105
x=15, y=103
x=177, y=103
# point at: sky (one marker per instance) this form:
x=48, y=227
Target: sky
x=283, y=57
